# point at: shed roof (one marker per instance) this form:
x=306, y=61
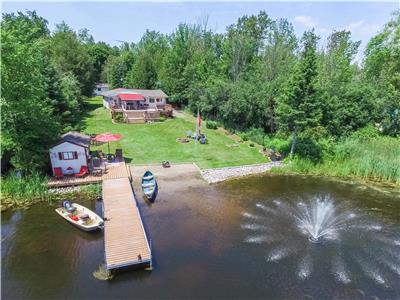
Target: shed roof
x=75, y=138
x=145, y=93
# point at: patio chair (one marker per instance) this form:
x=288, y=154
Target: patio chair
x=118, y=155
x=96, y=162
x=58, y=173
x=98, y=167
x=82, y=172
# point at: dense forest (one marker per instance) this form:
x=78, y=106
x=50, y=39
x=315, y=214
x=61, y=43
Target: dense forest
x=258, y=79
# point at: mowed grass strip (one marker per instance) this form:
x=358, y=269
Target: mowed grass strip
x=156, y=142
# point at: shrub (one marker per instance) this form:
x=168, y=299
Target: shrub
x=119, y=118
x=376, y=158
x=256, y=135
x=251, y=145
x=366, y=133
x=308, y=148
x=211, y=125
x=24, y=191
x=19, y=190
x=279, y=144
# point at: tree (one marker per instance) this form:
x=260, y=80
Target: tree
x=243, y=43
x=148, y=60
x=26, y=109
x=99, y=52
x=346, y=108
x=299, y=108
x=172, y=77
x=382, y=70
x=278, y=63
x=69, y=55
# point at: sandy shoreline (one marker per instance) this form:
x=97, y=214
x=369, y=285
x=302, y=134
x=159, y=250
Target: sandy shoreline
x=190, y=171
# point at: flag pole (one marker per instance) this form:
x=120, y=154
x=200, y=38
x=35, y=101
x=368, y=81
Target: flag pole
x=197, y=121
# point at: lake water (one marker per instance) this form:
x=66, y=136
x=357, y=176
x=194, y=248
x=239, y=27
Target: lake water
x=239, y=239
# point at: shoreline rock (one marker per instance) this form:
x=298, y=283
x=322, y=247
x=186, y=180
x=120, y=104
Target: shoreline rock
x=222, y=174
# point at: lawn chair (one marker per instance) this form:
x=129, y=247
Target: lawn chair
x=58, y=173
x=82, y=172
x=118, y=155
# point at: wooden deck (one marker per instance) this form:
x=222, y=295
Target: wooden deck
x=113, y=171
x=124, y=235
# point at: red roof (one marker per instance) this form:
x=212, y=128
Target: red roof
x=127, y=97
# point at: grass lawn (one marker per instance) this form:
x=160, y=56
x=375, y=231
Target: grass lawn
x=156, y=142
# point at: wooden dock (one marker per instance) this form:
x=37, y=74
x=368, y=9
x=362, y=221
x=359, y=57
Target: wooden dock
x=125, y=239
x=113, y=171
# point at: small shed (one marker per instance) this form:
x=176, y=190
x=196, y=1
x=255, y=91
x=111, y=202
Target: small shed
x=100, y=88
x=70, y=153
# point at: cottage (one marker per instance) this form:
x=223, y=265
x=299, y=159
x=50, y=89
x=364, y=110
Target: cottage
x=100, y=88
x=70, y=154
x=137, y=106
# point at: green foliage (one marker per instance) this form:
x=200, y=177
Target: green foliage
x=382, y=70
x=211, y=125
x=19, y=189
x=99, y=52
x=117, y=66
x=70, y=55
x=366, y=133
x=119, y=117
x=24, y=191
x=376, y=159
x=255, y=135
x=25, y=107
x=300, y=108
x=147, y=63
x=278, y=144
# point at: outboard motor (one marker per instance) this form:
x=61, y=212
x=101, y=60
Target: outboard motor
x=68, y=206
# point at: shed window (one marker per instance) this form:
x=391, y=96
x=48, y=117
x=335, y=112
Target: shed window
x=151, y=100
x=158, y=99
x=68, y=155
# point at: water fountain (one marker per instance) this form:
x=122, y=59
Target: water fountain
x=349, y=240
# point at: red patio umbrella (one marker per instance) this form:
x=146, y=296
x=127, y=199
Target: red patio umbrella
x=107, y=138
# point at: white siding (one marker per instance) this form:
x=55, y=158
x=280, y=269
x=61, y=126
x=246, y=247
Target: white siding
x=75, y=164
x=96, y=91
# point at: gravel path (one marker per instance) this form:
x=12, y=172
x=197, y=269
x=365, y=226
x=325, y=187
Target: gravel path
x=221, y=174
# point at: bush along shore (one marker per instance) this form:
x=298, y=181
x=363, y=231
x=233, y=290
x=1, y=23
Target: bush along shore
x=365, y=155
x=23, y=192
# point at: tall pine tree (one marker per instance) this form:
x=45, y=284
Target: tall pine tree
x=299, y=108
